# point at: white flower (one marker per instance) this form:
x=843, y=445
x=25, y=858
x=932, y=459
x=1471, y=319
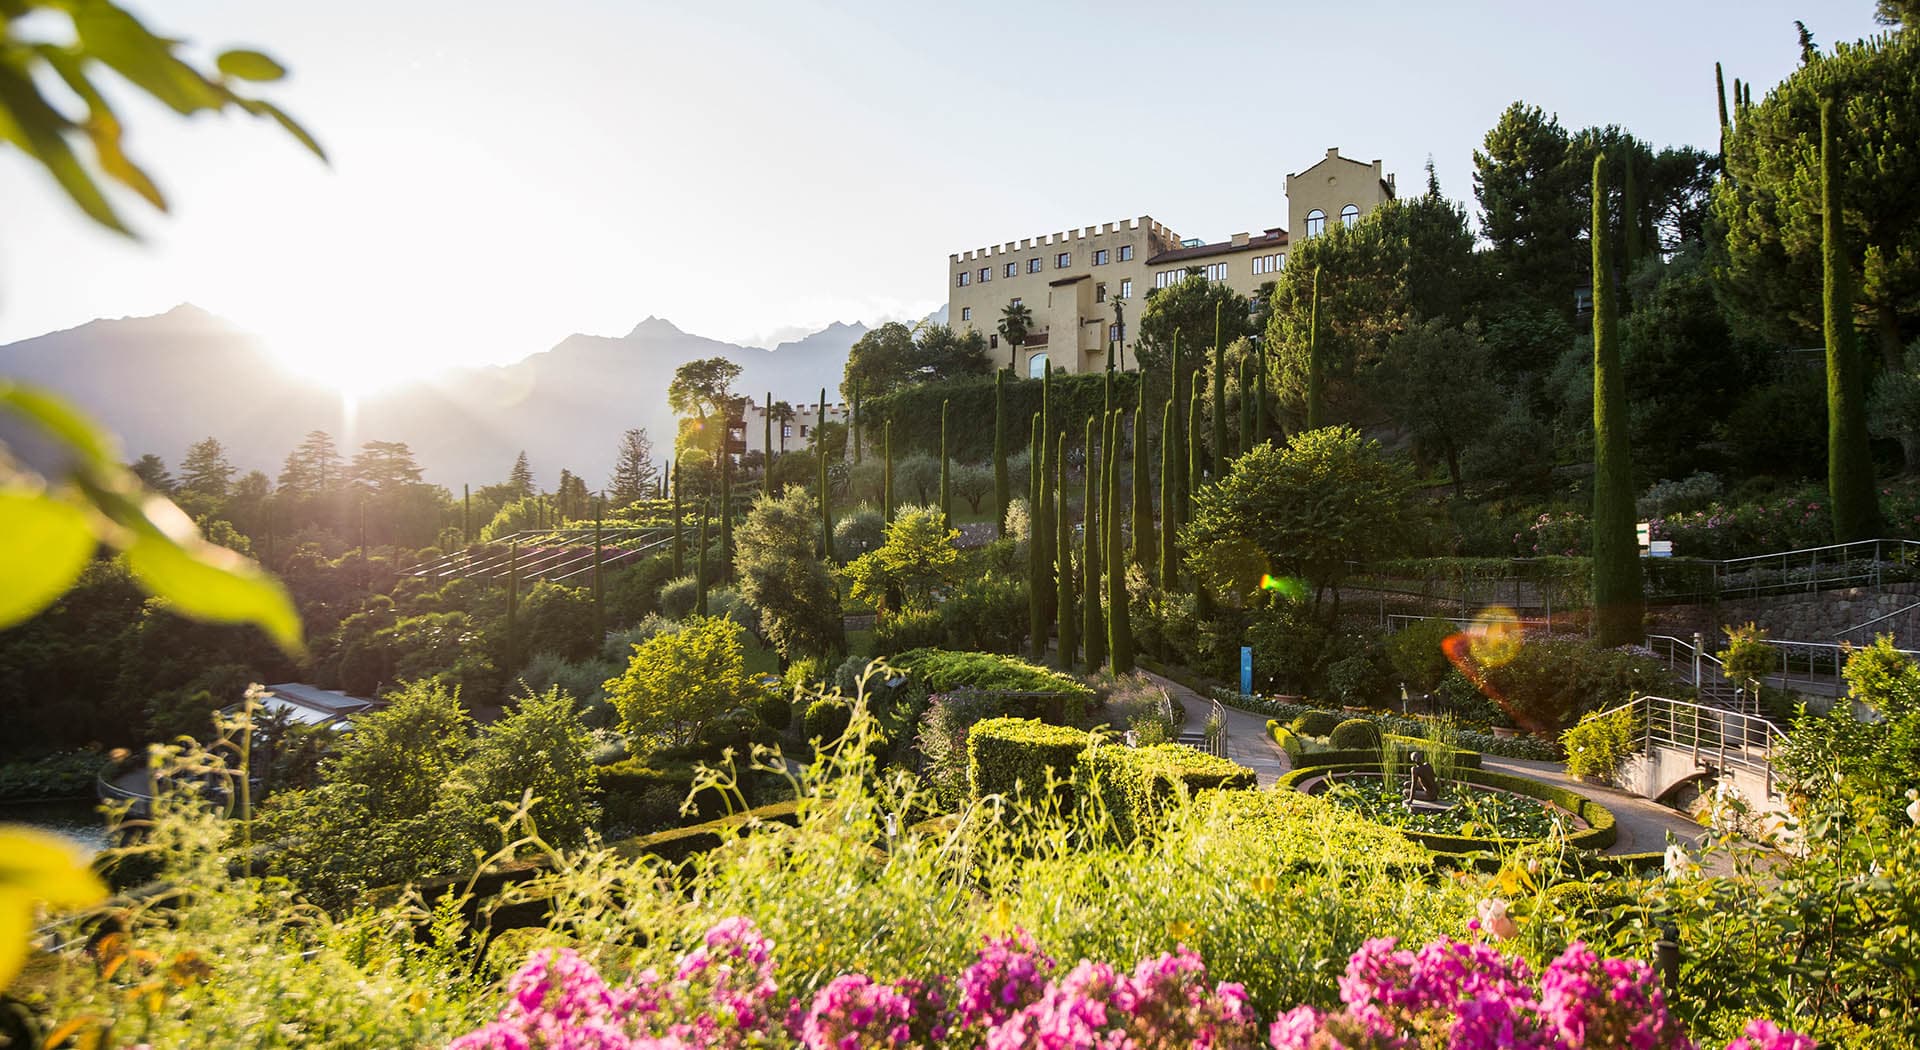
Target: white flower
x=1913, y=811
x=1679, y=865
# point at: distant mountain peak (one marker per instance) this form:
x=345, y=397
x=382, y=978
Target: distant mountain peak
x=655, y=328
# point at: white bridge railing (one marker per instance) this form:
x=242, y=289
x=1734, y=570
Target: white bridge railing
x=1718, y=739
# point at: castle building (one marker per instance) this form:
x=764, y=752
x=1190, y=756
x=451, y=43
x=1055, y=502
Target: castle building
x=1084, y=288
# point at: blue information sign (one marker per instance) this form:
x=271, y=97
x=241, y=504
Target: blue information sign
x=1246, y=669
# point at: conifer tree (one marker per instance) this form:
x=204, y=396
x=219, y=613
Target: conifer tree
x=1259, y=393
x=1632, y=244
x=1036, y=549
x=1143, y=546
x=946, y=469
x=1196, y=449
x=1246, y=404
x=1219, y=399
x=726, y=514
x=886, y=477
x=1002, y=482
x=1850, y=490
x=1316, y=412
x=1119, y=627
x=826, y=508
x=1092, y=629
x=855, y=422
x=1063, y=604
x=513, y=597
x=700, y=567
x=1720, y=93
x=679, y=546
x=1045, y=504
x=1616, y=561
x=766, y=474
x=1176, y=512
x=1169, y=568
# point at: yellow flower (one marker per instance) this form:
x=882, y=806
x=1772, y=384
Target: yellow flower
x=1180, y=931
x=1264, y=884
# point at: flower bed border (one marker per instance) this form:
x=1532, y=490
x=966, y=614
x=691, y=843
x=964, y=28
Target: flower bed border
x=1599, y=834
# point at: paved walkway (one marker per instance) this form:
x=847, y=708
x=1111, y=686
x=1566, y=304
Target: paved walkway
x=1247, y=739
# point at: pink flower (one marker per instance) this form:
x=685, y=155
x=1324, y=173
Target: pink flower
x=1765, y=1035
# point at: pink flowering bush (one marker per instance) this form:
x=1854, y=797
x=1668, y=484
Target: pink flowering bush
x=1461, y=995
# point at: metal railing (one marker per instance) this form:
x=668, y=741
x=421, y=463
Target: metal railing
x=546, y=554
x=1860, y=563
x=1217, y=741
x=1717, y=738
x=1530, y=625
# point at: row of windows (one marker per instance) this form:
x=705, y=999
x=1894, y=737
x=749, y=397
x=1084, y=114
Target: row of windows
x=1216, y=271
x=1268, y=264
x=1317, y=219
x=1100, y=290
x=1060, y=262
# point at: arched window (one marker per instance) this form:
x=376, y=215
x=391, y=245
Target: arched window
x=1316, y=223
x=1349, y=215
x=1037, y=366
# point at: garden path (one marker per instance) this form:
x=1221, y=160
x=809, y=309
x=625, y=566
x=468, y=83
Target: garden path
x=1247, y=739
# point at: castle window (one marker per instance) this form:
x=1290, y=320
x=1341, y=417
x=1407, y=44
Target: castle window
x=1113, y=333
x=1015, y=301
x=1012, y=268
x=1217, y=272
x=1316, y=223
x=963, y=278
x=986, y=274
x=1033, y=264
x=1100, y=293
x=1126, y=287
x=1100, y=257
x=1349, y=215
x=786, y=430
x=1126, y=253
x=966, y=313
x=993, y=341
x=1063, y=260
x=1037, y=366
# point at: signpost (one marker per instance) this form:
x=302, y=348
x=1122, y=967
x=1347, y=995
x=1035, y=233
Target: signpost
x=1246, y=670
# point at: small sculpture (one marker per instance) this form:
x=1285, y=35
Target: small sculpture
x=1422, y=785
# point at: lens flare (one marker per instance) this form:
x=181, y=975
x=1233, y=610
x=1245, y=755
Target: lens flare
x=1289, y=587
x=1493, y=640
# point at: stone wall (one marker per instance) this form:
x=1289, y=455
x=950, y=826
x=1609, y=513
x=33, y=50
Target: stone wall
x=1819, y=617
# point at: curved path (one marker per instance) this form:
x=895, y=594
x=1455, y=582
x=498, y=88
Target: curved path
x=1643, y=825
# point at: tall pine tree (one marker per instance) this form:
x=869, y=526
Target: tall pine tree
x=1850, y=491
x=1616, y=557
x=1002, y=482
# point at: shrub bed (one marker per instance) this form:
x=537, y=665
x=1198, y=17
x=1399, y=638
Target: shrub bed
x=1137, y=782
x=1526, y=747
x=1005, y=753
x=64, y=774
x=943, y=671
x=1597, y=835
x=1303, y=755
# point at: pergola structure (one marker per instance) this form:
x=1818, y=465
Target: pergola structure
x=556, y=555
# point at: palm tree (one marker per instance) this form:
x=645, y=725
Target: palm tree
x=782, y=414
x=1015, y=322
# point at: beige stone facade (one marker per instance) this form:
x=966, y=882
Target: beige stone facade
x=798, y=431
x=1071, y=282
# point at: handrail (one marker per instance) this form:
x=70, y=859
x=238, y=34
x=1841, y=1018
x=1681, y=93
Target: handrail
x=1727, y=739
x=1877, y=619
x=1816, y=550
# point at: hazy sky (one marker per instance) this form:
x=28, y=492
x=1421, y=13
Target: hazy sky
x=505, y=174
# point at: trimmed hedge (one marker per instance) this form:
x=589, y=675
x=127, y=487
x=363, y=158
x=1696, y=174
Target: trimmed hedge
x=678, y=844
x=1005, y=753
x=1316, y=723
x=1137, y=782
x=1598, y=835
x=1355, y=734
x=940, y=671
x=1520, y=747
x=1302, y=756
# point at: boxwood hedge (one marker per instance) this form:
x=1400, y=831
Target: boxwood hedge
x=1598, y=835
x=1004, y=754
x=1303, y=755
x=1136, y=782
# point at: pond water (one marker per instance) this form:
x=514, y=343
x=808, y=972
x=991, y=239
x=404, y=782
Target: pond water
x=78, y=820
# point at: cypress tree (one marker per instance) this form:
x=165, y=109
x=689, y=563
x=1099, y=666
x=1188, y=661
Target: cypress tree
x=1246, y=404
x=513, y=595
x=466, y=514
x=1044, y=531
x=886, y=480
x=1176, y=386
x=766, y=481
x=1195, y=448
x=855, y=422
x=1259, y=393
x=1632, y=245
x=726, y=515
x=826, y=508
x=1720, y=92
x=1616, y=561
x=1119, y=628
x=946, y=470
x=1036, y=609
x=1219, y=398
x=1092, y=629
x=1063, y=604
x=1002, y=482
x=599, y=603
x=1143, y=548
x=1316, y=412
x=700, y=568
x=679, y=552
x=1850, y=489
x=1169, y=568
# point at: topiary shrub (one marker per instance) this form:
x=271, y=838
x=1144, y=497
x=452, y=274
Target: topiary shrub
x=826, y=720
x=1136, y=783
x=1006, y=754
x=1316, y=723
x=943, y=671
x=1355, y=734
x=908, y=629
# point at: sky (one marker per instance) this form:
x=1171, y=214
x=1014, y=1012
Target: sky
x=502, y=175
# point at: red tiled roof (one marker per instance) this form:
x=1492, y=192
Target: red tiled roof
x=1273, y=238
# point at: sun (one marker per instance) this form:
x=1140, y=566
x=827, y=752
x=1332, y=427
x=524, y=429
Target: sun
x=356, y=357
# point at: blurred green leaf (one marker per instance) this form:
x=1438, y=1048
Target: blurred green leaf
x=102, y=126
x=63, y=421
x=38, y=129
x=44, y=545
x=262, y=108
x=249, y=65
x=117, y=38
x=213, y=583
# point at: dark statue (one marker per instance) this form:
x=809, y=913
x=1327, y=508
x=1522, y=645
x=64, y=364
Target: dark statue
x=1422, y=785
